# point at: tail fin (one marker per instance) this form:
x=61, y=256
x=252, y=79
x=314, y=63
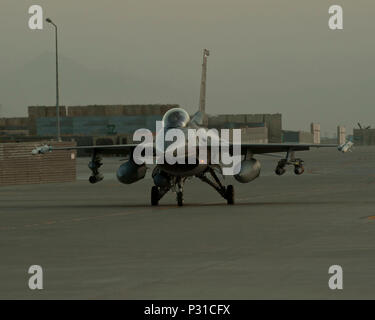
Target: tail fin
x=202, y=97
x=199, y=119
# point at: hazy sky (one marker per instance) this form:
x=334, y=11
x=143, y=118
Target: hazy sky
x=267, y=56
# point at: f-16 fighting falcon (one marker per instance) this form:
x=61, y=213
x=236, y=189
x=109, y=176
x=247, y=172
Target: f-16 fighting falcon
x=168, y=176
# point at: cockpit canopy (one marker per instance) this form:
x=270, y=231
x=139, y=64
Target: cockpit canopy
x=176, y=118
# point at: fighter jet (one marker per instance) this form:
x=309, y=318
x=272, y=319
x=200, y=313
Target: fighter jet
x=171, y=177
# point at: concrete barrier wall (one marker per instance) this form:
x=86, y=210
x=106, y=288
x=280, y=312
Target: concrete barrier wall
x=306, y=137
x=290, y=136
x=118, y=110
x=96, y=125
x=17, y=126
x=42, y=115
x=341, y=134
x=14, y=123
x=42, y=112
x=19, y=166
x=297, y=136
x=315, y=131
x=254, y=135
x=273, y=122
x=364, y=137
x=251, y=135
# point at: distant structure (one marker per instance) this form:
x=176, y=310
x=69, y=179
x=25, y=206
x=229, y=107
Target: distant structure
x=341, y=135
x=315, y=131
x=297, y=136
x=85, y=124
x=256, y=128
x=96, y=119
x=363, y=136
x=14, y=126
x=19, y=166
x=112, y=124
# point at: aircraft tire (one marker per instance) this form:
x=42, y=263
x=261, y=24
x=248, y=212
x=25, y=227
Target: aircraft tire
x=279, y=171
x=229, y=194
x=299, y=170
x=180, y=199
x=154, y=196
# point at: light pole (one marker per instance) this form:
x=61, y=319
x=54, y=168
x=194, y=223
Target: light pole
x=57, y=83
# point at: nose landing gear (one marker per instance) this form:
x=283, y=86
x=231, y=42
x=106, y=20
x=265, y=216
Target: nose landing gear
x=177, y=184
x=158, y=192
x=179, y=192
x=180, y=199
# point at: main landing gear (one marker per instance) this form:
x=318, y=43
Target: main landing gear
x=94, y=165
x=226, y=192
x=290, y=160
x=177, y=184
x=156, y=194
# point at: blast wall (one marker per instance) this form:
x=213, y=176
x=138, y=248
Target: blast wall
x=19, y=166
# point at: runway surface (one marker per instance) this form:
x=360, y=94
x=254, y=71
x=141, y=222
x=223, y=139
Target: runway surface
x=277, y=242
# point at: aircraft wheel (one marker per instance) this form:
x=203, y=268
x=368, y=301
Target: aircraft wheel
x=299, y=170
x=279, y=171
x=229, y=194
x=92, y=179
x=180, y=199
x=154, y=196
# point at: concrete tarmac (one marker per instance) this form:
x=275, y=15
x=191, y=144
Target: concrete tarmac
x=278, y=241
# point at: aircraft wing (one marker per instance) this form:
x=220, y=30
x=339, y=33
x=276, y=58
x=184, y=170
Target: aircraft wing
x=259, y=148
x=108, y=149
x=254, y=148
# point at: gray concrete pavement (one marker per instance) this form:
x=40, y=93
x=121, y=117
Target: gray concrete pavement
x=278, y=241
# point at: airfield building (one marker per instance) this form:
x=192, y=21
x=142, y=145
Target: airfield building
x=364, y=137
x=256, y=128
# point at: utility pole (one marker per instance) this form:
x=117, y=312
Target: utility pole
x=57, y=83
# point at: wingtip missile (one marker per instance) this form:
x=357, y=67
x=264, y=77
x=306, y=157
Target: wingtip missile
x=41, y=150
x=345, y=147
